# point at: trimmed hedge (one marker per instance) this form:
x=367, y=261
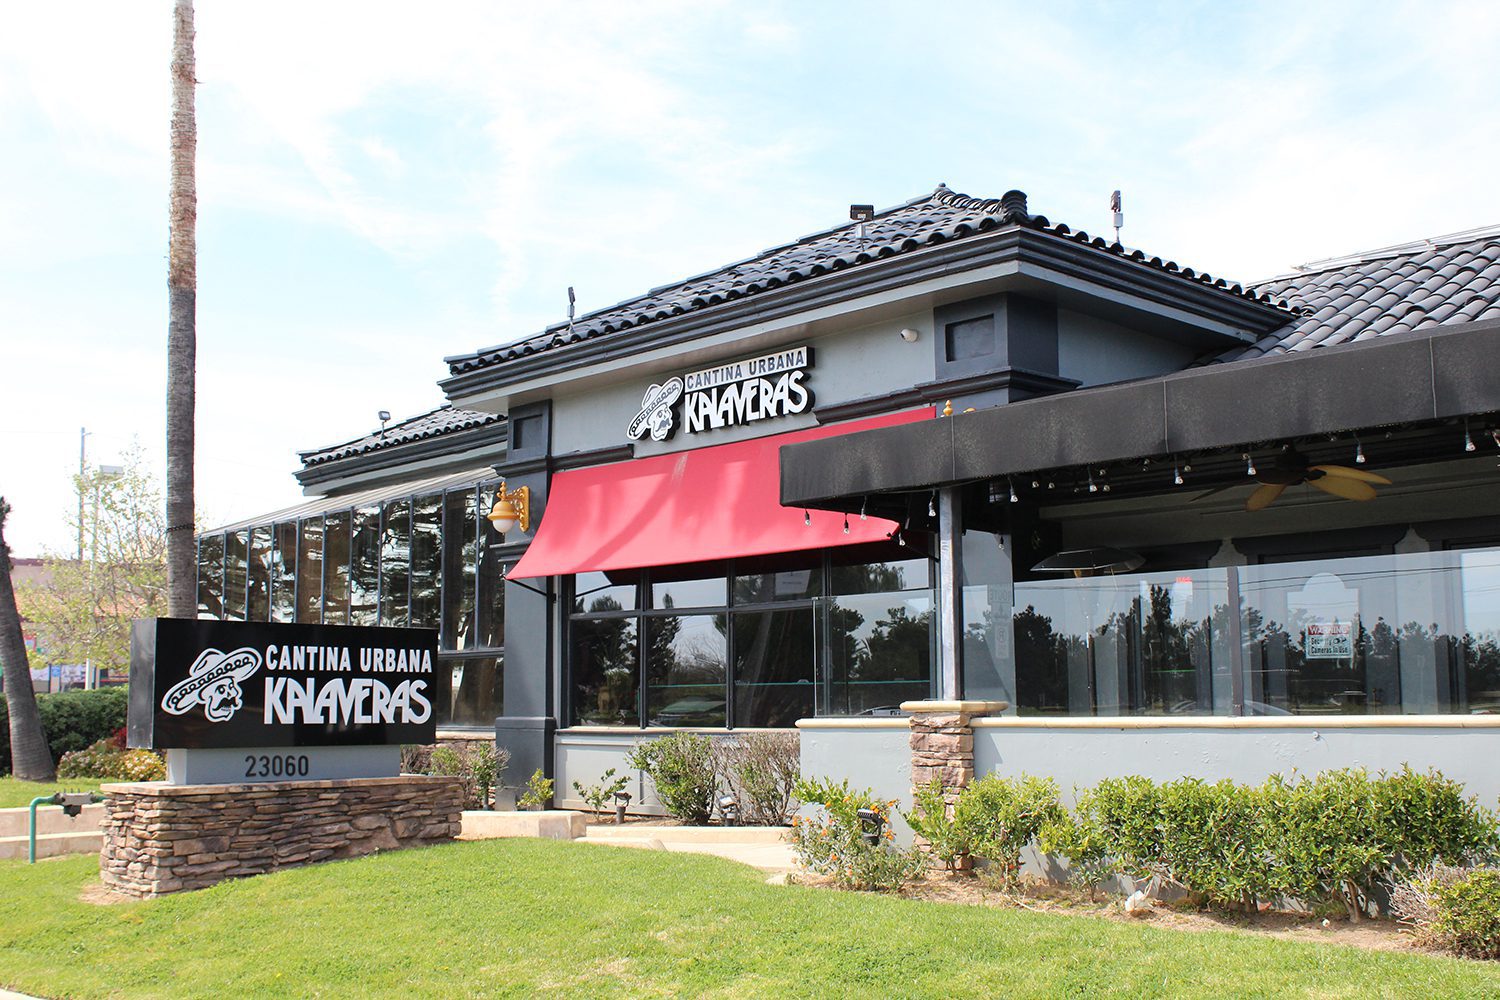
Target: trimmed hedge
x=72, y=720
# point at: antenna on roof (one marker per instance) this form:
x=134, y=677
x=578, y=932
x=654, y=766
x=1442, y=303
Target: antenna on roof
x=1114, y=206
x=861, y=214
x=571, y=300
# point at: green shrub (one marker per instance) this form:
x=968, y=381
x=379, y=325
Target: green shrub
x=1425, y=818
x=1326, y=831
x=602, y=794
x=997, y=817
x=681, y=766
x=1456, y=909
x=478, y=762
x=537, y=793
x=761, y=768
x=1216, y=841
x=835, y=843
x=71, y=720
x=1083, y=841
x=932, y=820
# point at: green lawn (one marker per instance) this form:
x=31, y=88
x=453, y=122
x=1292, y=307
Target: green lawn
x=14, y=792
x=521, y=917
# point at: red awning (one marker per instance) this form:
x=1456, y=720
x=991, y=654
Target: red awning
x=694, y=506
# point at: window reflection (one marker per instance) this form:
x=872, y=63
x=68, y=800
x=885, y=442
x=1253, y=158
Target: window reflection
x=364, y=566
x=459, y=557
x=336, y=569
x=426, y=561
x=605, y=672
x=211, y=576
x=774, y=661
x=685, y=665
x=395, y=563
x=236, y=557
x=310, y=571
x=259, y=606
x=470, y=691
x=880, y=651
x=284, y=572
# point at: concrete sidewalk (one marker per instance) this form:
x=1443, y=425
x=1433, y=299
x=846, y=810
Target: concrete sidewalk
x=759, y=847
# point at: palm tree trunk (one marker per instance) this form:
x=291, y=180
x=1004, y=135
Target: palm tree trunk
x=182, y=336
x=30, y=758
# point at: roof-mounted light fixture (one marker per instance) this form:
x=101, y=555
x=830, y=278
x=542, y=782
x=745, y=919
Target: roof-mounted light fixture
x=512, y=508
x=861, y=214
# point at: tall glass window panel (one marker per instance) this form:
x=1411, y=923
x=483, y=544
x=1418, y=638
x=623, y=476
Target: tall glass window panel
x=474, y=692
x=1474, y=630
x=595, y=592
x=211, y=576
x=259, y=608
x=685, y=670
x=427, y=561
x=1140, y=644
x=310, y=571
x=698, y=591
x=364, y=566
x=395, y=563
x=798, y=577
x=490, y=596
x=284, y=573
x=775, y=653
x=459, y=558
x=605, y=665
x=236, y=570
x=336, y=569
x=880, y=577
x=989, y=666
x=880, y=651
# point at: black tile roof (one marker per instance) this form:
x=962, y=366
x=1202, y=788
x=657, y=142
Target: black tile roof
x=1451, y=279
x=443, y=420
x=935, y=218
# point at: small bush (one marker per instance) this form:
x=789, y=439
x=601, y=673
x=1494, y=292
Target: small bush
x=835, y=843
x=997, y=817
x=1425, y=818
x=682, y=768
x=1216, y=842
x=479, y=763
x=1456, y=909
x=932, y=820
x=107, y=759
x=537, y=793
x=602, y=794
x=761, y=769
x=1082, y=841
x=71, y=720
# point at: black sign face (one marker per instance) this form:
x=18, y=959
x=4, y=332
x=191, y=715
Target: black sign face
x=211, y=684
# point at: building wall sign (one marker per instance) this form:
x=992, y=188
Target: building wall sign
x=740, y=392
x=210, y=684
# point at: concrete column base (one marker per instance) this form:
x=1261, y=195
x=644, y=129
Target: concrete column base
x=942, y=746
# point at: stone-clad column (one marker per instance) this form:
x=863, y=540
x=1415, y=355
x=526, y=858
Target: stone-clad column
x=942, y=743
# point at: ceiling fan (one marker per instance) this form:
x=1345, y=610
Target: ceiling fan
x=1291, y=469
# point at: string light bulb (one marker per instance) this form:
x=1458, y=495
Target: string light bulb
x=932, y=504
x=806, y=518
x=1176, y=473
x=1092, y=487
x=862, y=505
x=1468, y=441
x=1249, y=464
x=846, y=523
x=1013, y=497
x=1359, y=452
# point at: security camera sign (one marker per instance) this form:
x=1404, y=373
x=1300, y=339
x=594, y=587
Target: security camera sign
x=1328, y=640
x=212, y=684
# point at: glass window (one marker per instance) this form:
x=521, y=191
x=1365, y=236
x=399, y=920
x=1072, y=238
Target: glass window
x=395, y=564
x=491, y=592
x=881, y=577
x=774, y=658
x=594, y=592
x=259, y=607
x=236, y=557
x=426, y=561
x=284, y=573
x=336, y=568
x=459, y=558
x=310, y=571
x=364, y=566
x=685, y=670
x=879, y=649
x=702, y=592
x=605, y=669
x=1140, y=644
x=796, y=577
x=211, y=576
x=470, y=691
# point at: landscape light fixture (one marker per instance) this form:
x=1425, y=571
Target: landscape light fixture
x=512, y=508
x=729, y=810
x=622, y=802
x=871, y=823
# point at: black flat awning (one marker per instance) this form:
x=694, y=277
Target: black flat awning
x=1438, y=374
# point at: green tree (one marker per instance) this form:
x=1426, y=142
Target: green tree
x=83, y=611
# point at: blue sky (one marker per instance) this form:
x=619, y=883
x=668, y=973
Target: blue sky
x=383, y=184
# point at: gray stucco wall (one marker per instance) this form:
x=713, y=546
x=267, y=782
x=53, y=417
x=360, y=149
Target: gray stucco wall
x=584, y=757
x=1096, y=351
x=1077, y=757
x=876, y=757
x=867, y=361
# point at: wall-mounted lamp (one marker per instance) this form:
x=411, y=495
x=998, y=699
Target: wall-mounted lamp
x=910, y=335
x=512, y=507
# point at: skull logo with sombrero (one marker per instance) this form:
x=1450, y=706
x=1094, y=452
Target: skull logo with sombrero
x=213, y=681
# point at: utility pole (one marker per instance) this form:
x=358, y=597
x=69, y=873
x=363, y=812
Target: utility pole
x=83, y=435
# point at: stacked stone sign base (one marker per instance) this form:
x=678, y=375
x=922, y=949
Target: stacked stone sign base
x=161, y=838
x=942, y=744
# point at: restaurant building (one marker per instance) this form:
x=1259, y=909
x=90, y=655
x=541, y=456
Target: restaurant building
x=947, y=451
